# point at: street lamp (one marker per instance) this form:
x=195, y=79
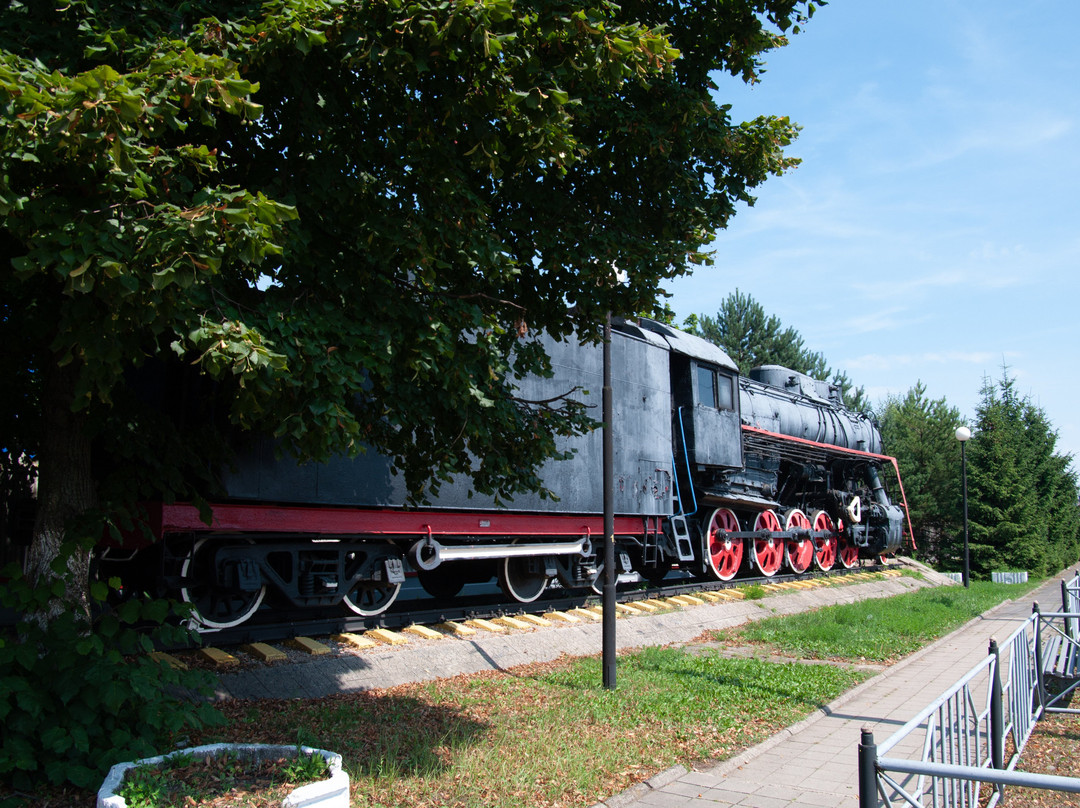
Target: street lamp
x=963, y=434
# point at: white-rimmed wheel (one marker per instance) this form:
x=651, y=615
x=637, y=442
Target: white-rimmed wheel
x=214, y=606
x=798, y=552
x=824, y=546
x=523, y=578
x=376, y=575
x=724, y=554
x=768, y=550
x=846, y=551
x=371, y=598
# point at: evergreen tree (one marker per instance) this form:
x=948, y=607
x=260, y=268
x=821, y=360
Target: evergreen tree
x=919, y=432
x=752, y=338
x=1022, y=495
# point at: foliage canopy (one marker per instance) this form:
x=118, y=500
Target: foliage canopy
x=346, y=215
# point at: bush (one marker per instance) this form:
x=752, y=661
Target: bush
x=85, y=691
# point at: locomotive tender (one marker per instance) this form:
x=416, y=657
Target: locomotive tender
x=715, y=473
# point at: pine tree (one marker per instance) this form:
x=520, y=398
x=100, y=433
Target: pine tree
x=752, y=338
x=1022, y=495
x=919, y=432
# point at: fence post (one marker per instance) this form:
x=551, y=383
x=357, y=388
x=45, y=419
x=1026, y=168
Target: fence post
x=1070, y=624
x=1038, y=655
x=997, y=718
x=867, y=770
x=1066, y=606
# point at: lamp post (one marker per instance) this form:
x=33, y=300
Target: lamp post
x=963, y=434
x=608, y=633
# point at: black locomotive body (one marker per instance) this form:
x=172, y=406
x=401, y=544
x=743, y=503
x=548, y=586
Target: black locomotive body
x=715, y=474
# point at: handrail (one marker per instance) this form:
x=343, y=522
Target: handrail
x=964, y=731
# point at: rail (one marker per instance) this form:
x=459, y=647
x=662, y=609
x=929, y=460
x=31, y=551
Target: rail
x=955, y=749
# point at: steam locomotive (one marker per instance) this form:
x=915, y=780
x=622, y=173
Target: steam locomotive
x=715, y=474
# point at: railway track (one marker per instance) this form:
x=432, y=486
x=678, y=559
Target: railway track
x=480, y=607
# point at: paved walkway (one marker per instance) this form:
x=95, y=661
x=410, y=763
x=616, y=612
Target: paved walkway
x=814, y=763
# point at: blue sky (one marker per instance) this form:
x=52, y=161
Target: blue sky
x=932, y=230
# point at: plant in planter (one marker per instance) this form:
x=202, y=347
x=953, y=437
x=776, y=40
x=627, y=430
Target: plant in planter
x=168, y=779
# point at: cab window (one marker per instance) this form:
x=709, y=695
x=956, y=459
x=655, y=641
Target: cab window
x=725, y=395
x=706, y=387
x=715, y=389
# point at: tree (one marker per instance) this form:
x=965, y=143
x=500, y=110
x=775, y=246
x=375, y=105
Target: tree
x=920, y=434
x=342, y=223
x=1022, y=495
x=752, y=338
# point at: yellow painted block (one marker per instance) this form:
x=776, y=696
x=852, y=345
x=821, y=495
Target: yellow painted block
x=711, y=597
x=161, y=656
x=386, y=636
x=218, y=657
x=659, y=604
x=512, y=622
x=680, y=600
x=267, y=653
x=309, y=646
x=355, y=640
x=535, y=619
x=485, y=625
x=561, y=617
x=423, y=631
x=735, y=593
x=587, y=614
x=627, y=608
x=645, y=606
x=457, y=629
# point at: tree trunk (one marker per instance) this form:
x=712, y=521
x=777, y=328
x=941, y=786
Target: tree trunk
x=65, y=491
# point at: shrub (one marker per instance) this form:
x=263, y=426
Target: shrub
x=85, y=690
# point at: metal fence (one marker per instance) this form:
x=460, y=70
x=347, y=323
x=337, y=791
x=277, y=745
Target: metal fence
x=1009, y=577
x=961, y=751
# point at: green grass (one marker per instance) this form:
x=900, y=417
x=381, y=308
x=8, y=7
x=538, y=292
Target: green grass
x=551, y=735
x=879, y=630
x=547, y=734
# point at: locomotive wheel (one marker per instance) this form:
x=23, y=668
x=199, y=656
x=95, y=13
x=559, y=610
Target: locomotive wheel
x=824, y=548
x=768, y=552
x=442, y=582
x=214, y=607
x=725, y=554
x=846, y=551
x=798, y=553
x=655, y=574
x=371, y=598
x=523, y=579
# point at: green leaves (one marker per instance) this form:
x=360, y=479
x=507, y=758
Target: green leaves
x=72, y=690
x=345, y=223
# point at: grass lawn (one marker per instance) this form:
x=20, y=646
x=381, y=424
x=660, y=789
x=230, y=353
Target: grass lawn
x=545, y=735
x=550, y=735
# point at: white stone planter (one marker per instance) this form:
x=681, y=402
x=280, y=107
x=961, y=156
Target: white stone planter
x=330, y=793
